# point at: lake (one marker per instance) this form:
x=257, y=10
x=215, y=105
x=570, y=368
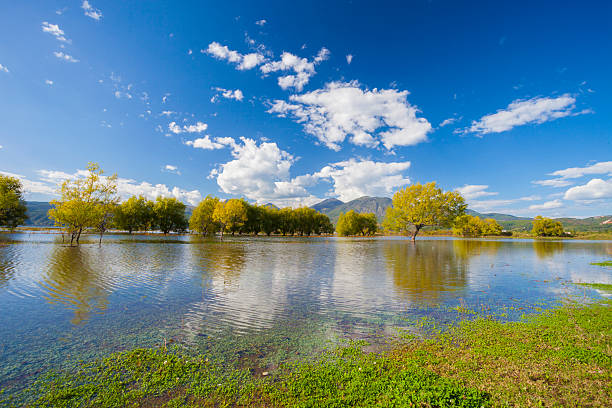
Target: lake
x=258, y=301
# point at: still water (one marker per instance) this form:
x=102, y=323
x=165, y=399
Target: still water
x=261, y=301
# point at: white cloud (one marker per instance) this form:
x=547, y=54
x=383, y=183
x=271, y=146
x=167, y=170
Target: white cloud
x=199, y=127
x=495, y=205
x=55, y=31
x=349, y=59
x=227, y=94
x=593, y=190
x=472, y=191
x=172, y=169
x=261, y=22
x=448, y=121
x=90, y=11
x=522, y=112
x=168, y=113
x=261, y=173
x=353, y=179
x=243, y=61
x=207, y=143
x=302, y=68
x=548, y=205
x=574, y=173
x=49, y=181
x=3, y=69
x=344, y=109
x=48, y=82
x=65, y=57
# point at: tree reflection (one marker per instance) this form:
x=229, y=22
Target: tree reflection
x=219, y=260
x=423, y=271
x=545, y=249
x=72, y=279
x=467, y=248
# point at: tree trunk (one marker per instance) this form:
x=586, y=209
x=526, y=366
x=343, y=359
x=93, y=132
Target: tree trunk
x=79, y=235
x=417, y=228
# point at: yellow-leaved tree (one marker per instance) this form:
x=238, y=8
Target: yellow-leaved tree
x=86, y=202
x=202, y=220
x=230, y=215
x=420, y=205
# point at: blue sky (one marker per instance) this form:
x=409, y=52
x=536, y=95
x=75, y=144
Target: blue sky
x=508, y=102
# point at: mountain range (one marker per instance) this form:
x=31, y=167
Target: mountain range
x=332, y=207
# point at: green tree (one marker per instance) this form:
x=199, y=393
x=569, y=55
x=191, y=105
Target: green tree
x=12, y=206
x=84, y=202
x=286, y=221
x=202, y=220
x=368, y=224
x=231, y=215
x=546, y=227
x=169, y=214
x=470, y=226
x=421, y=205
x=353, y=223
x=270, y=220
x=134, y=214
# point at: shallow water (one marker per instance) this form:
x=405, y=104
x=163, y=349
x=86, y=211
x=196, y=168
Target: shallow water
x=261, y=301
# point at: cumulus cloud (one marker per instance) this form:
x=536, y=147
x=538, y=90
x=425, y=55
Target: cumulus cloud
x=368, y=117
x=302, y=68
x=472, y=191
x=227, y=94
x=65, y=57
x=3, y=68
x=199, y=127
x=357, y=178
x=522, y=112
x=242, y=61
x=90, y=11
x=55, y=31
x=33, y=187
x=548, y=205
x=565, y=175
x=260, y=172
x=593, y=190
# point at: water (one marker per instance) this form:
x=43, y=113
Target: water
x=261, y=301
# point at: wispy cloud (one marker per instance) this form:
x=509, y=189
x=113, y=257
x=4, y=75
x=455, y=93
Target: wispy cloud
x=261, y=22
x=48, y=82
x=198, y=127
x=548, y=205
x=4, y=69
x=521, y=112
x=65, y=57
x=349, y=59
x=227, y=94
x=55, y=31
x=565, y=176
x=90, y=11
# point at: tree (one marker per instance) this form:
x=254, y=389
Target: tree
x=421, y=205
x=546, y=227
x=231, y=215
x=202, y=220
x=353, y=223
x=134, y=214
x=270, y=219
x=84, y=202
x=470, y=226
x=169, y=214
x=12, y=206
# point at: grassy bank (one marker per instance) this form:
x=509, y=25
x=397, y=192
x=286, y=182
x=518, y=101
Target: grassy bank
x=559, y=358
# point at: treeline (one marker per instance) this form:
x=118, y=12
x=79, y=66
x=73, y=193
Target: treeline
x=238, y=216
x=354, y=223
x=469, y=226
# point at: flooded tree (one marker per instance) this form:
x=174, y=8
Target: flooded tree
x=169, y=215
x=134, y=214
x=85, y=202
x=354, y=223
x=421, y=205
x=202, y=220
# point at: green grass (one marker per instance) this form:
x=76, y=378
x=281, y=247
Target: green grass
x=601, y=286
x=562, y=357
x=604, y=263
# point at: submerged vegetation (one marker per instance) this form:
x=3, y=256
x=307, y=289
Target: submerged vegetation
x=559, y=358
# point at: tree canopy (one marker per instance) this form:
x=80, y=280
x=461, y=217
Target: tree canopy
x=12, y=207
x=85, y=202
x=134, y=214
x=470, y=226
x=202, y=220
x=169, y=215
x=421, y=205
x=546, y=227
x=354, y=223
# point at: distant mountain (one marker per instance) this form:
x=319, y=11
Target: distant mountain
x=497, y=216
x=327, y=205
x=270, y=205
x=333, y=207
x=37, y=214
